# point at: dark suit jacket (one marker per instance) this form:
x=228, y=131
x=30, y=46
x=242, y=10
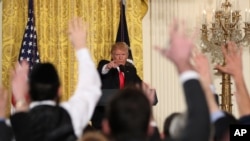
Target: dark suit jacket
x=6, y=133
x=111, y=79
x=198, y=120
x=43, y=123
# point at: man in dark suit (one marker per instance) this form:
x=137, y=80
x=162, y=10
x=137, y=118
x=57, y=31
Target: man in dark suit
x=110, y=73
x=115, y=74
x=110, y=70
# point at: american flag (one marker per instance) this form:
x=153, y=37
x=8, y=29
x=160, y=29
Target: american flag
x=29, y=50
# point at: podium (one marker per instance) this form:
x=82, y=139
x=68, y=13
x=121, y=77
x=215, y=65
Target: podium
x=108, y=93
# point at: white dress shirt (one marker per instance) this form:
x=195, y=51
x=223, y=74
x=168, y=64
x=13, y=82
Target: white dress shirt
x=88, y=91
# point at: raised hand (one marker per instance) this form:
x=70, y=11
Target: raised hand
x=148, y=91
x=180, y=47
x=202, y=66
x=233, y=59
x=19, y=82
x=78, y=33
x=233, y=66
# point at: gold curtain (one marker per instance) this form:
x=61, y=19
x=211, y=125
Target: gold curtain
x=135, y=11
x=52, y=17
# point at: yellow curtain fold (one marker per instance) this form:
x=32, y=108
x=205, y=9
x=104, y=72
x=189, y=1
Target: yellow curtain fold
x=52, y=17
x=135, y=11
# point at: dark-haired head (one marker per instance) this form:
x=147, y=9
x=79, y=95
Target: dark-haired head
x=128, y=114
x=44, y=82
x=167, y=123
x=222, y=127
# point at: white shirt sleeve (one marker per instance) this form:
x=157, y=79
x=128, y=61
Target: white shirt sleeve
x=212, y=87
x=216, y=115
x=187, y=75
x=104, y=69
x=88, y=91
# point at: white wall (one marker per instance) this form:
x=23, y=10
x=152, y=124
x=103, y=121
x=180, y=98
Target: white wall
x=160, y=72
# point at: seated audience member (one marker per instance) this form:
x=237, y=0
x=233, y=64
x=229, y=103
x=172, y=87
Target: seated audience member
x=116, y=74
x=44, y=119
x=128, y=116
x=197, y=126
x=6, y=133
x=234, y=67
x=112, y=71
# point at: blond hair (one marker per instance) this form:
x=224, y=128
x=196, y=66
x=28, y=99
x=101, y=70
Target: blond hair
x=119, y=45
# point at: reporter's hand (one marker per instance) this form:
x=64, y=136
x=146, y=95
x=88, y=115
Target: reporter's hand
x=78, y=33
x=20, y=87
x=202, y=66
x=180, y=47
x=149, y=92
x=233, y=59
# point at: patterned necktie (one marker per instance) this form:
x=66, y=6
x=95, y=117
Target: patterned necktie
x=121, y=78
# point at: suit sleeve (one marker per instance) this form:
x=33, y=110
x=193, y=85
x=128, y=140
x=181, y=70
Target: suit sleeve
x=6, y=133
x=134, y=75
x=100, y=65
x=21, y=126
x=197, y=112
